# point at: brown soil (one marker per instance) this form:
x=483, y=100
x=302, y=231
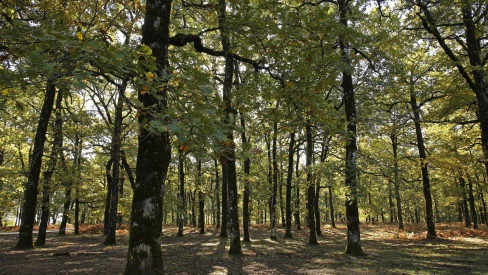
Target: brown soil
x=388, y=251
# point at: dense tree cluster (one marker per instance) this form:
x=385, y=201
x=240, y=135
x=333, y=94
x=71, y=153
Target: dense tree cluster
x=235, y=113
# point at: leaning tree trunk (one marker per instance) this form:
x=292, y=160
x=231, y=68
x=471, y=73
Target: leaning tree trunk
x=51, y=166
x=31, y=188
x=352, y=212
x=423, y=162
x=289, y=178
x=154, y=152
x=230, y=113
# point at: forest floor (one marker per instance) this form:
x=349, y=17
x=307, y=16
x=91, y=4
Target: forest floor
x=458, y=250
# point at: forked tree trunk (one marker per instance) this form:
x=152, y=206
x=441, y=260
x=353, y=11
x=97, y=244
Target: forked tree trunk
x=31, y=188
x=51, y=166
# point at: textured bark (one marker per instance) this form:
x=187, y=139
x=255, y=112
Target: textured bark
x=31, y=188
x=116, y=156
x=289, y=178
x=230, y=114
x=431, y=233
x=51, y=166
x=154, y=153
x=312, y=238
x=352, y=212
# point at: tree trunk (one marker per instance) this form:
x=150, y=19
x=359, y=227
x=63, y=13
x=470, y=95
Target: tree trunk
x=217, y=187
x=472, y=205
x=154, y=153
x=396, y=180
x=116, y=156
x=230, y=112
x=352, y=212
x=274, y=188
x=77, y=213
x=108, y=175
x=51, y=166
x=331, y=204
x=312, y=238
x=289, y=178
x=201, y=201
x=181, y=193
x=31, y=188
x=431, y=233
x=297, y=201
x=464, y=202
x=247, y=169
x=318, y=228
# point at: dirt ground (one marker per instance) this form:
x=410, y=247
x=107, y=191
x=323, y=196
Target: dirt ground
x=389, y=251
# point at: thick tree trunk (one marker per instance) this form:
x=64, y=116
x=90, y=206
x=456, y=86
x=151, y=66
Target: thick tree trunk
x=289, y=179
x=230, y=161
x=154, y=153
x=181, y=193
x=312, y=238
x=51, y=166
x=352, y=212
x=31, y=188
x=116, y=156
x=431, y=233
x=108, y=175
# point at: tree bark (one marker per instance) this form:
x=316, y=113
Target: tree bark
x=201, y=201
x=274, y=188
x=154, y=152
x=247, y=169
x=289, y=178
x=431, y=233
x=31, y=188
x=51, y=166
x=472, y=204
x=116, y=156
x=181, y=192
x=108, y=175
x=352, y=212
x=396, y=180
x=230, y=112
x=312, y=238
x=462, y=186
x=297, y=200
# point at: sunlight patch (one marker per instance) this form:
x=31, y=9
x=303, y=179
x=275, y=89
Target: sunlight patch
x=218, y=270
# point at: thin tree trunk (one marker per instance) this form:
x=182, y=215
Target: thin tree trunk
x=108, y=175
x=472, y=204
x=297, y=201
x=274, y=188
x=116, y=156
x=181, y=193
x=289, y=178
x=431, y=233
x=51, y=166
x=247, y=169
x=312, y=238
x=331, y=204
x=77, y=212
x=201, y=201
x=217, y=187
x=31, y=188
x=154, y=153
x=396, y=180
